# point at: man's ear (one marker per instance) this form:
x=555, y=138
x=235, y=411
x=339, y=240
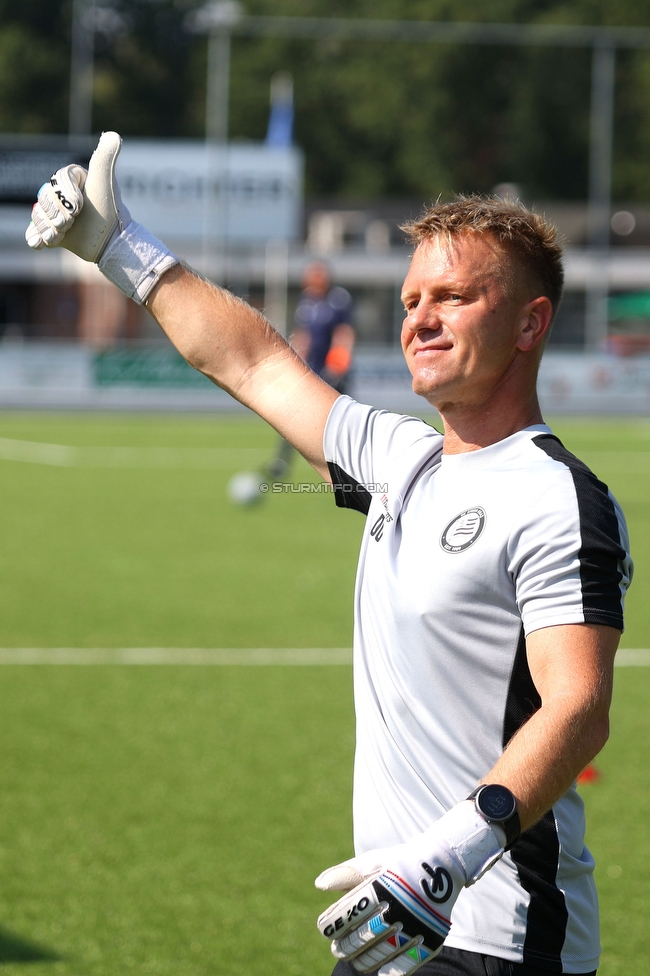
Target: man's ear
x=535, y=323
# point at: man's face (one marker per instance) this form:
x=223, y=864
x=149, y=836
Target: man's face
x=316, y=280
x=461, y=328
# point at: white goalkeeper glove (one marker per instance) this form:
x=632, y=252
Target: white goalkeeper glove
x=57, y=205
x=398, y=914
x=84, y=213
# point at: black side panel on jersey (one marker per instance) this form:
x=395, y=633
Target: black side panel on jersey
x=536, y=852
x=523, y=698
x=601, y=551
x=348, y=493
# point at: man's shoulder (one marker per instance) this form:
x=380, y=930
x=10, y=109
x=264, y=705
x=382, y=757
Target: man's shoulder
x=527, y=473
x=534, y=449
x=555, y=462
x=551, y=486
x=387, y=434
x=379, y=421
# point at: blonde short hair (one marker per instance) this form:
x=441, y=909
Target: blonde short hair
x=524, y=235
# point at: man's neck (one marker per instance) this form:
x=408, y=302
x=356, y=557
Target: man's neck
x=471, y=428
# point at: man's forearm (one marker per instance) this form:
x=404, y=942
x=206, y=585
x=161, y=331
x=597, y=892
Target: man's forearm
x=238, y=349
x=546, y=755
x=572, y=669
x=217, y=333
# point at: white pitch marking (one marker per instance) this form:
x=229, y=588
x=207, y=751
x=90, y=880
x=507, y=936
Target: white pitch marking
x=65, y=456
x=176, y=655
x=626, y=657
x=633, y=657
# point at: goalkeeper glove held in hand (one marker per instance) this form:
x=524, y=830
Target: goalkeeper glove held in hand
x=398, y=915
x=84, y=213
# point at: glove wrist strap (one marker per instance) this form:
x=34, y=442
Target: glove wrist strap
x=135, y=261
x=476, y=843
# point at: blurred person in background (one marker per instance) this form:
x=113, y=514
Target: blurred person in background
x=324, y=338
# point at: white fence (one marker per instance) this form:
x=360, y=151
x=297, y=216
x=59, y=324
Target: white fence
x=68, y=376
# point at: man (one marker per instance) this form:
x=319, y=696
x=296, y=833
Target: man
x=323, y=337
x=488, y=602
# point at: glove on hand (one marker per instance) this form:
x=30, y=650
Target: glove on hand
x=57, y=205
x=101, y=232
x=398, y=914
x=104, y=214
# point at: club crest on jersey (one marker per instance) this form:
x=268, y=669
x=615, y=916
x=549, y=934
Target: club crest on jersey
x=463, y=530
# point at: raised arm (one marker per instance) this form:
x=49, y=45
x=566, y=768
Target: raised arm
x=218, y=334
x=240, y=351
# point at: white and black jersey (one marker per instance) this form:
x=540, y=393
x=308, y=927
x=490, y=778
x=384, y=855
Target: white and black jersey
x=463, y=556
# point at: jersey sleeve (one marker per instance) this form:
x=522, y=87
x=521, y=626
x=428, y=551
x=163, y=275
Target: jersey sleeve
x=361, y=445
x=570, y=558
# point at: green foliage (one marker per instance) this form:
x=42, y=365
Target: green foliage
x=32, y=98
x=374, y=118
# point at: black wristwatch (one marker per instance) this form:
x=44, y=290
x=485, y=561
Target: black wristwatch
x=496, y=804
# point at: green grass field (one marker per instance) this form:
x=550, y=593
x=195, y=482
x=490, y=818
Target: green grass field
x=171, y=819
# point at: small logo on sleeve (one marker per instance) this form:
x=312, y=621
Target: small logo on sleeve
x=463, y=531
x=377, y=530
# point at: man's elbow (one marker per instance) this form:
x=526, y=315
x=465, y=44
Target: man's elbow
x=599, y=732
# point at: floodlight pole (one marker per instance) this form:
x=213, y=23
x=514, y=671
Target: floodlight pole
x=217, y=19
x=81, y=68
x=600, y=190
x=218, y=86
x=276, y=283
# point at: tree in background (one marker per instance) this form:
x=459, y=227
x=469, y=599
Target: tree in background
x=374, y=119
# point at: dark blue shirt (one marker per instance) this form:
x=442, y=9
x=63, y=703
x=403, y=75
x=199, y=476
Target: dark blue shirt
x=320, y=316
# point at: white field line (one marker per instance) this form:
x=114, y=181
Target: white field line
x=633, y=657
x=176, y=655
x=64, y=456
x=626, y=657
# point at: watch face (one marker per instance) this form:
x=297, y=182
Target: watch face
x=496, y=802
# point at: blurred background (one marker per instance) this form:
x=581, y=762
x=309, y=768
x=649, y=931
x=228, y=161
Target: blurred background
x=260, y=136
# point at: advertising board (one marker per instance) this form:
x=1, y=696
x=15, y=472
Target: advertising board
x=234, y=193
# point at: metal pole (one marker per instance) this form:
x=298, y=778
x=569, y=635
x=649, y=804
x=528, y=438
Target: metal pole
x=81, y=68
x=216, y=138
x=600, y=191
x=216, y=19
x=276, y=280
x=218, y=88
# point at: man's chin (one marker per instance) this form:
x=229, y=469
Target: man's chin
x=427, y=387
